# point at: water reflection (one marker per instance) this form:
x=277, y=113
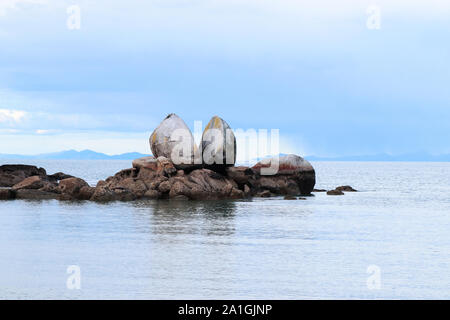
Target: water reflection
x=214, y=218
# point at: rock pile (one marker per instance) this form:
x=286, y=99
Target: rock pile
x=205, y=173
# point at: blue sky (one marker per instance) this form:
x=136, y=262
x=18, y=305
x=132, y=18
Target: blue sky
x=331, y=86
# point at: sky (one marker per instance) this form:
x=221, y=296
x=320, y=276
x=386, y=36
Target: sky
x=333, y=82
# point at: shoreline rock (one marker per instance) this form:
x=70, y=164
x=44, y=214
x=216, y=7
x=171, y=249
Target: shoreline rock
x=158, y=178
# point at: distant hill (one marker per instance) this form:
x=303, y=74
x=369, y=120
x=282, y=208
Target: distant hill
x=76, y=155
x=92, y=155
x=419, y=157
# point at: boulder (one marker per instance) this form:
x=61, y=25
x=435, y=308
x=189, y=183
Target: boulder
x=173, y=140
x=70, y=188
x=86, y=193
x=146, y=162
x=218, y=145
x=34, y=182
x=103, y=194
x=289, y=174
x=12, y=174
x=283, y=165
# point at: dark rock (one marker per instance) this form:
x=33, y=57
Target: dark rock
x=33, y=194
x=86, y=193
x=103, y=194
x=300, y=198
x=7, y=194
x=12, y=174
x=346, y=188
x=290, y=198
x=58, y=176
x=241, y=175
x=335, y=193
x=264, y=194
x=152, y=195
x=319, y=190
x=180, y=197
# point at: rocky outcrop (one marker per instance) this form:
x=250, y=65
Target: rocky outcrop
x=176, y=171
x=158, y=178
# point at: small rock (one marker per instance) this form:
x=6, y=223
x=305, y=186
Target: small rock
x=264, y=194
x=300, y=198
x=290, y=198
x=319, y=190
x=166, y=166
x=165, y=186
x=346, y=188
x=335, y=193
x=247, y=190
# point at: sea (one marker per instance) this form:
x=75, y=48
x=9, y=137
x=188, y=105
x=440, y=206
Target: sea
x=389, y=240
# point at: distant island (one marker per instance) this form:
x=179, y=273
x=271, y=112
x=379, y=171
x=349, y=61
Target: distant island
x=93, y=155
x=76, y=155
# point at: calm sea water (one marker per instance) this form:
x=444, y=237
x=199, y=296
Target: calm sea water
x=262, y=249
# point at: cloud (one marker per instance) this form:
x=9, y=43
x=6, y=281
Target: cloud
x=6, y=5
x=11, y=117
